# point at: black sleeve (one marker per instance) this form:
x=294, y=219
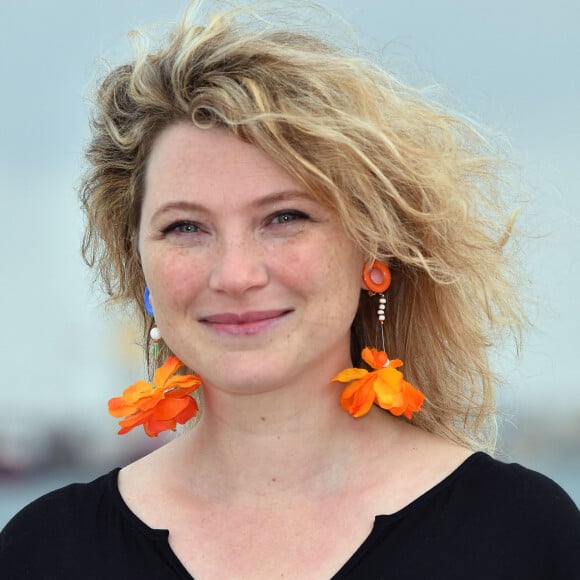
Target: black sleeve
x=549, y=525
x=84, y=532
x=512, y=522
x=33, y=545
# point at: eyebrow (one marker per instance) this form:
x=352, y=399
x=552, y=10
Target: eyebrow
x=278, y=196
x=263, y=201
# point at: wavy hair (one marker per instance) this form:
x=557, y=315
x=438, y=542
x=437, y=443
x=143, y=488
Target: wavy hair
x=412, y=185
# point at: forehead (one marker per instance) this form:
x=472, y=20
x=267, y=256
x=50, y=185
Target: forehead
x=187, y=160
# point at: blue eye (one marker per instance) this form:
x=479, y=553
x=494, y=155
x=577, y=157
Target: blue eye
x=182, y=228
x=187, y=228
x=286, y=217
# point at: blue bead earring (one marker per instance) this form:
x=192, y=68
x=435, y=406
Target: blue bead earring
x=154, y=333
x=147, y=301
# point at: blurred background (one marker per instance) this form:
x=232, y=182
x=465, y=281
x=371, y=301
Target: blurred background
x=514, y=66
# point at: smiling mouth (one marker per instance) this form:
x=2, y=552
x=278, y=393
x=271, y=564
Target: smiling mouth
x=246, y=323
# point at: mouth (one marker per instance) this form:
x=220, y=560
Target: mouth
x=245, y=323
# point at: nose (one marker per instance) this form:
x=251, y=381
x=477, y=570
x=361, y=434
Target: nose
x=239, y=266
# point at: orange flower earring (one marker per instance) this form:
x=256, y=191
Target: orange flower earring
x=384, y=385
x=162, y=405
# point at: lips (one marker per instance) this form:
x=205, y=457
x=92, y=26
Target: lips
x=244, y=323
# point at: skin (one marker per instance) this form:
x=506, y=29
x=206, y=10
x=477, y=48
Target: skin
x=255, y=286
x=226, y=233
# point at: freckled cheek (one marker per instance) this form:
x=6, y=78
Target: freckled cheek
x=174, y=280
x=324, y=266
x=298, y=269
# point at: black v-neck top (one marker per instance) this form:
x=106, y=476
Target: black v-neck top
x=486, y=520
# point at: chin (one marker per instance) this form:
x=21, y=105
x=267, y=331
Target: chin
x=248, y=376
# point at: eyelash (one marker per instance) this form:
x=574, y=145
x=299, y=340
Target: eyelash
x=186, y=227
x=293, y=214
x=180, y=226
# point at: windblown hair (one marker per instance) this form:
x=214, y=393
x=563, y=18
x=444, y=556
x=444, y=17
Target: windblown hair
x=412, y=185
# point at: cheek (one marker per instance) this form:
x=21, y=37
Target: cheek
x=304, y=267
x=172, y=278
x=329, y=273
x=343, y=277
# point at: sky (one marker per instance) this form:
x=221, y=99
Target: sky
x=513, y=66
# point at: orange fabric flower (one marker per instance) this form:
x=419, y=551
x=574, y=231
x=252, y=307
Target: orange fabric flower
x=384, y=386
x=158, y=406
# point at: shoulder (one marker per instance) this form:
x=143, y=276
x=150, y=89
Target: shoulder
x=490, y=499
x=75, y=502
x=514, y=488
x=57, y=522
x=505, y=508
x=487, y=519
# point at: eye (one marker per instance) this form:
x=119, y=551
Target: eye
x=182, y=228
x=287, y=216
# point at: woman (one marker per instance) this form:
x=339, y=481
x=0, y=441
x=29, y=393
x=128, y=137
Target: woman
x=286, y=217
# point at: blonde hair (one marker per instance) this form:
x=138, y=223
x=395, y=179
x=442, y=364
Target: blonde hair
x=412, y=185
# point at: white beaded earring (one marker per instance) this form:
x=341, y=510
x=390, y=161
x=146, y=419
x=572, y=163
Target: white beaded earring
x=377, y=279
x=154, y=333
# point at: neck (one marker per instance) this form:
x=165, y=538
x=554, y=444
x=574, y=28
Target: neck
x=290, y=440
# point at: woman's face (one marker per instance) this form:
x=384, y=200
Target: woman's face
x=254, y=284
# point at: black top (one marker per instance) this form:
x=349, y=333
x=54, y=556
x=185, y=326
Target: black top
x=487, y=520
